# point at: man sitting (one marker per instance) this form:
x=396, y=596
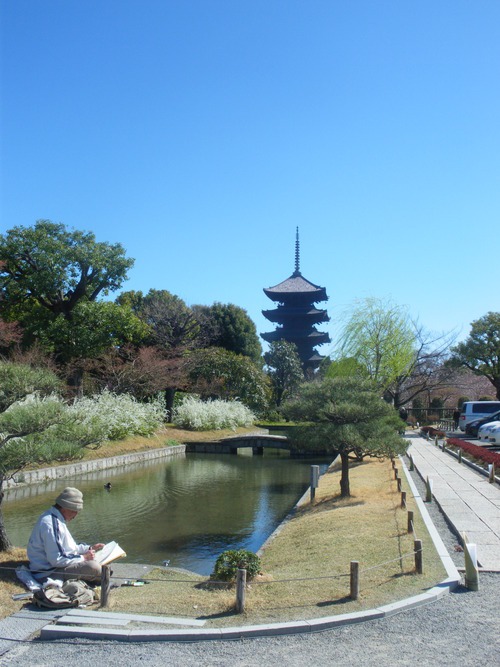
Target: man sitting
x=53, y=552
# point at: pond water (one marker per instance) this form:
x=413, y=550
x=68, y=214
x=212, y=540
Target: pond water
x=186, y=510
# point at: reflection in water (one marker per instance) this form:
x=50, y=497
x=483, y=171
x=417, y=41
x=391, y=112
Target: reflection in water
x=186, y=510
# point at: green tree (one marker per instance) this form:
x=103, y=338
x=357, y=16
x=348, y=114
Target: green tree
x=50, y=281
x=480, y=352
x=284, y=369
x=171, y=322
x=173, y=330
x=346, y=367
x=381, y=338
x=93, y=329
x=229, y=326
x=35, y=425
x=217, y=373
x=345, y=416
x=56, y=268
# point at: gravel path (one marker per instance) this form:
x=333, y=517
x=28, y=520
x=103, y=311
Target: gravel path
x=461, y=629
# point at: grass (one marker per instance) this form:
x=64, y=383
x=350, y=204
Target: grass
x=305, y=567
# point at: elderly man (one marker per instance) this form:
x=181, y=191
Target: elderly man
x=53, y=552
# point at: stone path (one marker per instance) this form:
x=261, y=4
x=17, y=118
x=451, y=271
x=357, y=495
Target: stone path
x=470, y=503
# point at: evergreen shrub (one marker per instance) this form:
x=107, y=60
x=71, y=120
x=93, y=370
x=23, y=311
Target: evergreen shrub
x=229, y=561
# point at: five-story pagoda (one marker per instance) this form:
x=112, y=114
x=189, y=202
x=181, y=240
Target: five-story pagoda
x=297, y=314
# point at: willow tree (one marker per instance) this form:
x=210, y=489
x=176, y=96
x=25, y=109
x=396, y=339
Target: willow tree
x=381, y=337
x=344, y=416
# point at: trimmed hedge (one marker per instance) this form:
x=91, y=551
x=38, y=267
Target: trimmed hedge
x=480, y=453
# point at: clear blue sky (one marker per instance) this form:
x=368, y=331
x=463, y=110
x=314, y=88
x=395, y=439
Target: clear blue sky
x=200, y=133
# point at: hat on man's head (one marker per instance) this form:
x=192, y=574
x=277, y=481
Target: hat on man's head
x=70, y=499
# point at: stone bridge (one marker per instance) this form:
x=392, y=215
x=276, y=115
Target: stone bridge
x=231, y=445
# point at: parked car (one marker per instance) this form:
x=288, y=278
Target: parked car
x=485, y=430
x=473, y=426
x=472, y=410
x=494, y=436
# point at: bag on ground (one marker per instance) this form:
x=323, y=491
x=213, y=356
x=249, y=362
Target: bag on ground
x=74, y=593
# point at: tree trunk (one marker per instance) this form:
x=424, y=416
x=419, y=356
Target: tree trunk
x=169, y=402
x=345, y=491
x=75, y=382
x=4, y=540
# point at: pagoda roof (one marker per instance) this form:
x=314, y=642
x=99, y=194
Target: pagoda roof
x=311, y=337
x=310, y=314
x=296, y=285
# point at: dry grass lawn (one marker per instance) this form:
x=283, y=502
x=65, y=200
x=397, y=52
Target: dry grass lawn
x=305, y=566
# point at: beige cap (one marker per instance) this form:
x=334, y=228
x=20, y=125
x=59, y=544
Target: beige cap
x=70, y=499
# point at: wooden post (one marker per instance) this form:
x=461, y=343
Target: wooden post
x=417, y=545
x=410, y=521
x=412, y=465
x=241, y=587
x=471, y=569
x=428, y=490
x=395, y=473
x=399, y=483
x=314, y=481
x=403, y=499
x=436, y=441
x=491, y=469
x=443, y=445
x=460, y=455
x=354, y=579
x=105, y=574
x=393, y=463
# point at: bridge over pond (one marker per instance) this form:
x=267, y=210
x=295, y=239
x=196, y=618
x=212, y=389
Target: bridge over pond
x=257, y=442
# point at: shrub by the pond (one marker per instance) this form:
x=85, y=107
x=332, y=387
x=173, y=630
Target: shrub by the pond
x=229, y=561
x=121, y=414
x=197, y=415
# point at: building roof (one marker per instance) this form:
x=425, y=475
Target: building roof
x=296, y=286
x=284, y=313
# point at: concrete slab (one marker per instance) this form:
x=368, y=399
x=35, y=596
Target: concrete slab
x=113, y=615
x=83, y=620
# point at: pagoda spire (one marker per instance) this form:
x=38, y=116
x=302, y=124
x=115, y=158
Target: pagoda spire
x=297, y=254
x=296, y=314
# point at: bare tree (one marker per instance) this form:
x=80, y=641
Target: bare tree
x=427, y=373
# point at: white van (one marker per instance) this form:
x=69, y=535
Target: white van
x=472, y=410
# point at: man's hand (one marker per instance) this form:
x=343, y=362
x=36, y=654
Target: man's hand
x=98, y=546
x=89, y=555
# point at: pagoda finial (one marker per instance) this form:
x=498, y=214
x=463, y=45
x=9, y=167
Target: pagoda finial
x=297, y=252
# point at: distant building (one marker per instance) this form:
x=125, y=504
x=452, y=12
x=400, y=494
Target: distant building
x=297, y=314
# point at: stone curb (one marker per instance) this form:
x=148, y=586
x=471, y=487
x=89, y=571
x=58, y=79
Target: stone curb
x=27, y=477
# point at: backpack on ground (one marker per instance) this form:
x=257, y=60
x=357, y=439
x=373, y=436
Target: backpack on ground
x=74, y=593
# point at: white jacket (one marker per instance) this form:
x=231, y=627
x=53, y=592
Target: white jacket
x=51, y=545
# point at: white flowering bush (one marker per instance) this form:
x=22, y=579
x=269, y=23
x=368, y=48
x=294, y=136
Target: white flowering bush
x=120, y=414
x=197, y=415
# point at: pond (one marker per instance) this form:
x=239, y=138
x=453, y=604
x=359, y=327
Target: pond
x=186, y=510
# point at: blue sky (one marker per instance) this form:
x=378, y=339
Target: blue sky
x=201, y=133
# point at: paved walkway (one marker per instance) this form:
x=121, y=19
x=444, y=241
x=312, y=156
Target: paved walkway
x=469, y=501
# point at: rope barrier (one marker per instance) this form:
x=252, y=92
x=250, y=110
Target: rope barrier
x=394, y=560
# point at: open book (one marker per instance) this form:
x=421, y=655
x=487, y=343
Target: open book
x=110, y=551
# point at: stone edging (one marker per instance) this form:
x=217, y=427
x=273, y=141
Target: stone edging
x=27, y=477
